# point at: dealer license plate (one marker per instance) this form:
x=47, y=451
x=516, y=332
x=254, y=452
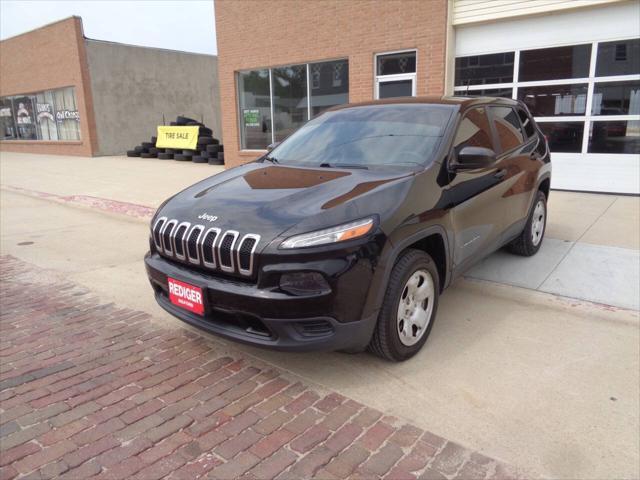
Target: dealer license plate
x=186, y=296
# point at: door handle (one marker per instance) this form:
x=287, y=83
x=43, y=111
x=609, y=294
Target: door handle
x=500, y=174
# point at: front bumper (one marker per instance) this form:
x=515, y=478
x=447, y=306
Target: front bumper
x=262, y=317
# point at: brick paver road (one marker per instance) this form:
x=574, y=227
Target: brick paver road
x=90, y=389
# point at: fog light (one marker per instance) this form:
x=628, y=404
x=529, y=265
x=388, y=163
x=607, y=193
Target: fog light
x=304, y=283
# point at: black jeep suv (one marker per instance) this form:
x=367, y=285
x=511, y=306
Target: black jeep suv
x=344, y=235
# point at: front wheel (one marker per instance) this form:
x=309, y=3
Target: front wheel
x=409, y=307
x=530, y=240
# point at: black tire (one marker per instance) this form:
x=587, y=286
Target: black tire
x=182, y=157
x=154, y=140
x=215, y=161
x=221, y=148
x=148, y=155
x=385, y=341
x=199, y=159
x=206, y=132
x=213, y=148
x=173, y=124
x=165, y=156
x=153, y=151
x=138, y=149
x=132, y=153
x=221, y=156
x=169, y=150
x=194, y=124
x=205, y=140
x=182, y=121
x=147, y=145
x=189, y=152
x=524, y=245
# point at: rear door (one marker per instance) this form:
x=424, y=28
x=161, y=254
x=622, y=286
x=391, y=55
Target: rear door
x=516, y=155
x=474, y=196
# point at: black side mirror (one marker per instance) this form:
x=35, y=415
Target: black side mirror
x=474, y=157
x=272, y=146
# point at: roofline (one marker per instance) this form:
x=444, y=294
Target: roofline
x=103, y=41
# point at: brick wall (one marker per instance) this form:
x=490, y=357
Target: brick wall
x=266, y=33
x=45, y=59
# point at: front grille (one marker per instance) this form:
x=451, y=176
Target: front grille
x=212, y=248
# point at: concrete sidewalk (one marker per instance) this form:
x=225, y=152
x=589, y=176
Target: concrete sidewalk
x=542, y=382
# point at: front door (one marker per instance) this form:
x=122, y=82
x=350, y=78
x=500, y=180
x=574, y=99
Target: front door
x=475, y=195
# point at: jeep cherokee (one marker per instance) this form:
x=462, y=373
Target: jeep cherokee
x=344, y=235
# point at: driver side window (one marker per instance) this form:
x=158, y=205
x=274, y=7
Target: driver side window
x=474, y=131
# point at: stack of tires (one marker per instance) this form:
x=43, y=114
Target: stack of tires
x=208, y=149
x=146, y=150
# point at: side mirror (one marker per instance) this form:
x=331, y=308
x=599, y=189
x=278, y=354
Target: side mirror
x=272, y=146
x=474, y=157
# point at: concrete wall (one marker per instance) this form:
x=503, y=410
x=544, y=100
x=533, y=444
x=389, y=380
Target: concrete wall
x=48, y=58
x=323, y=30
x=134, y=86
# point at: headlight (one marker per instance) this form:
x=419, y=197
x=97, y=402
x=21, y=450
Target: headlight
x=347, y=231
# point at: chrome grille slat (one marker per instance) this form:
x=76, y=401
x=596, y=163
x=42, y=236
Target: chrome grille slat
x=213, y=248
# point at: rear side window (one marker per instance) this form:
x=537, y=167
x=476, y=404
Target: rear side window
x=508, y=127
x=527, y=125
x=474, y=131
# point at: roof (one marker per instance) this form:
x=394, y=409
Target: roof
x=461, y=101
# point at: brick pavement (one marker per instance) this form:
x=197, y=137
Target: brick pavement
x=88, y=389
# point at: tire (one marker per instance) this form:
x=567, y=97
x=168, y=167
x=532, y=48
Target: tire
x=148, y=155
x=182, y=157
x=147, y=145
x=173, y=124
x=206, y=132
x=154, y=140
x=213, y=148
x=386, y=341
x=153, y=151
x=194, y=124
x=169, y=150
x=138, y=149
x=205, y=140
x=182, y=121
x=189, y=152
x=530, y=240
x=199, y=159
x=221, y=148
x=215, y=161
x=221, y=156
x=132, y=153
x=165, y=156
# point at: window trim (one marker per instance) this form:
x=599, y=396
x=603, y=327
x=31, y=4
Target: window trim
x=588, y=118
x=378, y=79
x=452, y=157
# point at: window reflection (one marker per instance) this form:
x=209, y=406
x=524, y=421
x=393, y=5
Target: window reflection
x=615, y=137
x=554, y=100
x=555, y=63
x=255, y=109
x=618, y=58
x=616, y=98
x=329, y=85
x=289, y=91
x=482, y=69
x=508, y=127
x=563, y=136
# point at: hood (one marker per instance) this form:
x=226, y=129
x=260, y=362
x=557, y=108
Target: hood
x=269, y=199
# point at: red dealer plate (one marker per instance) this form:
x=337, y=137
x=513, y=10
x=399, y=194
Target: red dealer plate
x=186, y=296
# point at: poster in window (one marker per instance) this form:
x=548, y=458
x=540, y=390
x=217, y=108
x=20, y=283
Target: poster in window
x=62, y=115
x=251, y=118
x=44, y=112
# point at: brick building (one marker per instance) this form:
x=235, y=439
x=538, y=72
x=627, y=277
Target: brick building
x=576, y=63
x=63, y=93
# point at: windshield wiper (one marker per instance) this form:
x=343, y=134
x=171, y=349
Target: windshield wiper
x=343, y=165
x=271, y=159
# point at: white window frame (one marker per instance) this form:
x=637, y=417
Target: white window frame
x=589, y=81
x=396, y=77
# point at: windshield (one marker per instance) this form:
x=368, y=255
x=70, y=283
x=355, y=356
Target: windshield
x=375, y=135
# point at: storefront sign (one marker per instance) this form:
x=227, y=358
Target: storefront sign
x=44, y=111
x=67, y=115
x=23, y=116
x=251, y=118
x=184, y=138
x=5, y=112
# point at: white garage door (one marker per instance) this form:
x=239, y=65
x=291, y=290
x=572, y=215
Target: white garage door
x=579, y=73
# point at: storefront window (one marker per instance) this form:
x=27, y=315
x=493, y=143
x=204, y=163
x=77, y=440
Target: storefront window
x=255, y=109
x=274, y=102
x=289, y=93
x=555, y=63
x=555, y=100
x=482, y=69
x=616, y=98
x=329, y=85
x=563, y=136
x=615, y=137
x=618, y=58
x=544, y=83
x=7, y=124
x=51, y=115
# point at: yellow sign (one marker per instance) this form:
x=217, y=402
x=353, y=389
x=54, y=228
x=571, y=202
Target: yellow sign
x=184, y=138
